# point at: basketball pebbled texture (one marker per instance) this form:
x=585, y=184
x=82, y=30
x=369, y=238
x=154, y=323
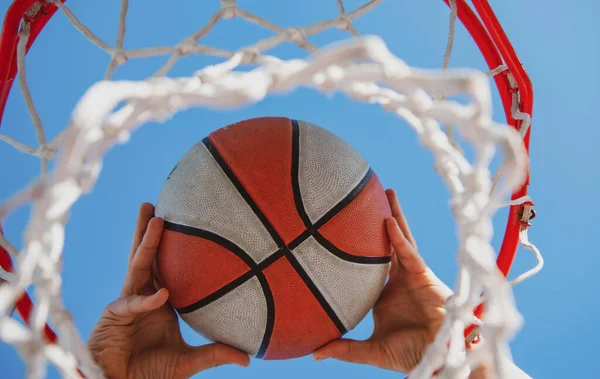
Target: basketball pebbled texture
x=274, y=238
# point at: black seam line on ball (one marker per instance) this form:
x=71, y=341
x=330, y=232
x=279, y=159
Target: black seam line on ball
x=345, y=201
x=313, y=229
x=217, y=294
x=315, y=291
x=306, y=220
x=296, y=175
x=270, y=259
x=324, y=242
x=213, y=237
x=254, y=270
x=349, y=257
x=242, y=191
x=298, y=240
x=270, y=229
x=296, y=186
x=276, y=237
x=270, y=315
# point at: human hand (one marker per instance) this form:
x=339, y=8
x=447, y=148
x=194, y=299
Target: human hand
x=138, y=334
x=408, y=313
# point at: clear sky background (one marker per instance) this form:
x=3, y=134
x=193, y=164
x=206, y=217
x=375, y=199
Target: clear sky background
x=558, y=43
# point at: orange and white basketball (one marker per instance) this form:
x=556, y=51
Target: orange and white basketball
x=274, y=238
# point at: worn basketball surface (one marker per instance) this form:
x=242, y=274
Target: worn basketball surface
x=274, y=238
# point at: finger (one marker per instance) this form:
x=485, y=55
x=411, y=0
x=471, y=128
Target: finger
x=404, y=250
x=201, y=358
x=125, y=309
x=446, y=291
x=347, y=350
x=139, y=276
x=155, y=277
x=145, y=214
x=399, y=216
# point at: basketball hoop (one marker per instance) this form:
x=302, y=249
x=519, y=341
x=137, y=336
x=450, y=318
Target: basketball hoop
x=362, y=68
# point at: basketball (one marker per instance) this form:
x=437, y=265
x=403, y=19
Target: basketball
x=274, y=238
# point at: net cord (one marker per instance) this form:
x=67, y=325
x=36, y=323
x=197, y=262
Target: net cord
x=327, y=72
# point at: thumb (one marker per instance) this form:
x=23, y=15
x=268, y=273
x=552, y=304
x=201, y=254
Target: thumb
x=201, y=358
x=347, y=350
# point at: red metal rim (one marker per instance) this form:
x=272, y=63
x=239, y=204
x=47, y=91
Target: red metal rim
x=483, y=26
x=18, y=11
x=497, y=50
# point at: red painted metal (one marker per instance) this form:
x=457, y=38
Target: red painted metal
x=482, y=24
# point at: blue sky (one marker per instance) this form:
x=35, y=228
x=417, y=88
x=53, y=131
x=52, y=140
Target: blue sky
x=559, y=46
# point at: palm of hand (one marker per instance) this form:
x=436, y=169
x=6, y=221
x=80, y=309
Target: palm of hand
x=148, y=343
x=159, y=340
x=138, y=335
x=407, y=314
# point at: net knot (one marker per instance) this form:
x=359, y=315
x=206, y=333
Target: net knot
x=249, y=55
x=186, y=46
x=46, y=152
x=297, y=35
x=35, y=9
x=455, y=306
x=498, y=70
x=527, y=214
x=343, y=22
x=119, y=57
x=473, y=338
x=228, y=9
x=378, y=77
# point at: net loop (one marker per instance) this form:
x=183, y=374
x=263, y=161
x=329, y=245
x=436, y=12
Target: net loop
x=297, y=35
x=228, y=9
x=34, y=10
x=363, y=69
x=344, y=22
x=186, y=46
x=119, y=57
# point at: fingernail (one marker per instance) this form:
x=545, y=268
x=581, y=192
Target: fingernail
x=319, y=357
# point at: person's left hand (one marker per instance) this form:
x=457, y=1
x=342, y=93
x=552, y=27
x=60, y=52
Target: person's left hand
x=408, y=313
x=138, y=334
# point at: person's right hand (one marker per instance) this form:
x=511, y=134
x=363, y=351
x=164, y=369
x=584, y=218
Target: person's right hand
x=138, y=334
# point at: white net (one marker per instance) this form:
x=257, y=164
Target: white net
x=362, y=68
